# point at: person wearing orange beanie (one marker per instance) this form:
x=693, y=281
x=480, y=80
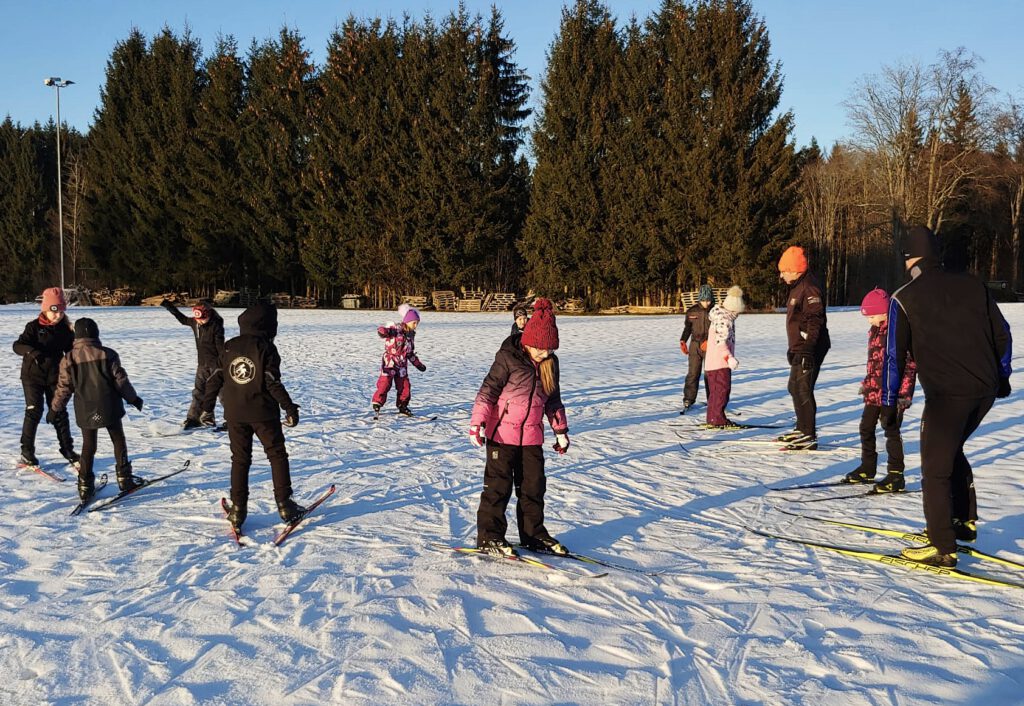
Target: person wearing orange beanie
x=42, y=346
x=807, y=334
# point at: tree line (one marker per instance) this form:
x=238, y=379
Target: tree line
x=659, y=160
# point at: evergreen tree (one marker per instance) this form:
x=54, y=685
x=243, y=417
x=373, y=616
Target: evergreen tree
x=275, y=133
x=568, y=213
x=215, y=216
x=139, y=178
x=23, y=239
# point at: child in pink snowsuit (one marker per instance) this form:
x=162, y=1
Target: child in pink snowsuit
x=399, y=351
x=720, y=359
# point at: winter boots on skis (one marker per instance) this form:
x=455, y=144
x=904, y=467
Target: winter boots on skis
x=549, y=545
x=125, y=479
x=892, y=483
x=496, y=547
x=86, y=487
x=863, y=473
x=289, y=510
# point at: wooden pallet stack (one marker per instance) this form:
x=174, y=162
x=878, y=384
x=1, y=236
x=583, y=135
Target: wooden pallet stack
x=499, y=301
x=304, y=302
x=418, y=301
x=472, y=305
x=247, y=297
x=282, y=300
x=688, y=299
x=444, y=300
x=573, y=306
x=225, y=297
x=122, y=296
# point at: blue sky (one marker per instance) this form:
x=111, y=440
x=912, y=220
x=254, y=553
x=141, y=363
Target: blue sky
x=824, y=45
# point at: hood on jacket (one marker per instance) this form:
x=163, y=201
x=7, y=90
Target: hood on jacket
x=86, y=328
x=259, y=320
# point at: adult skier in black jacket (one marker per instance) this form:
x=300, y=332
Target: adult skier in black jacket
x=962, y=346
x=249, y=382
x=208, y=328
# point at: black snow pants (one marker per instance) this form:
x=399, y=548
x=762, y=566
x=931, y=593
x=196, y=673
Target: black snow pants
x=803, y=374
x=35, y=394
x=692, y=384
x=271, y=435
x=89, y=441
x=511, y=466
x=891, y=419
x=946, y=423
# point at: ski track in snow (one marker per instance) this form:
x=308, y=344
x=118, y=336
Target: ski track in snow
x=150, y=602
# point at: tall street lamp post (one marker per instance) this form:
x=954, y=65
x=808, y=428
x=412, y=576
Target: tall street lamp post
x=58, y=84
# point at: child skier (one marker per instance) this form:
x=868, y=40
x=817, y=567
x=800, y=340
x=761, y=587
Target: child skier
x=249, y=381
x=208, y=328
x=693, y=343
x=875, y=306
x=399, y=351
x=519, y=390
x=93, y=374
x=520, y=315
x=720, y=359
x=42, y=345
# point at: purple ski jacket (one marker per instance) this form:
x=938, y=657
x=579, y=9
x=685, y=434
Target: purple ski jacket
x=512, y=403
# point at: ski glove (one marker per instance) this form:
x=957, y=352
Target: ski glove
x=477, y=435
x=1004, y=388
x=291, y=416
x=51, y=416
x=166, y=303
x=561, y=443
x=732, y=363
x=137, y=404
x=861, y=391
x=420, y=366
x=207, y=420
x=703, y=346
x=903, y=404
x=683, y=348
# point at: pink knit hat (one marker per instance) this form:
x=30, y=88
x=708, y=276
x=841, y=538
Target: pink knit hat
x=875, y=302
x=541, y=331
x=53, y=300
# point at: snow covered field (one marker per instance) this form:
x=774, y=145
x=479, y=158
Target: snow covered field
x=151, y=603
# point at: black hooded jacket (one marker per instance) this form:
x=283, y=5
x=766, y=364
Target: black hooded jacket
x=249, y=376
x=41, y=347
x=209, y=336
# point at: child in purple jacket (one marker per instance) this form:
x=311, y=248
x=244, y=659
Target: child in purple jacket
x=875, y=307
x=399, y=351
x=520, y=389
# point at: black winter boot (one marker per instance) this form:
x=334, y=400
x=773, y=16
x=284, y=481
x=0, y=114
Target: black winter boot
x=405, y=411
x=892, y=483
x=863, y=473
x=548, y=545
x=496, y=547
x=289, y=510
x=125, y=479
x=86, y=487
x=28, y=457
x=73, y=458
x=237, y=515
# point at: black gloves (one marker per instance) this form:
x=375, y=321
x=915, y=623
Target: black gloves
x=291, y=416
x=51, y=416
x=420, y=366
x=1004, y=388
x=137, y=404
x=166, y=303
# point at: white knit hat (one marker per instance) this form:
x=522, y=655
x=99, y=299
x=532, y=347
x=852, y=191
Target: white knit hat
x=734, y=300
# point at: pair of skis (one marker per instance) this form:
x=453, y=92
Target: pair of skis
x=872, y=491
x=896, y=559
x=36, y=468
x=144, y=483
x=236, y=533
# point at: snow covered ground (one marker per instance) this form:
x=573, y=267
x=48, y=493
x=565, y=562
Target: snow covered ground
x=151, y=603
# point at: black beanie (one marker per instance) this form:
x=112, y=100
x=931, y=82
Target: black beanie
x=86, y=328
x=920, y=242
